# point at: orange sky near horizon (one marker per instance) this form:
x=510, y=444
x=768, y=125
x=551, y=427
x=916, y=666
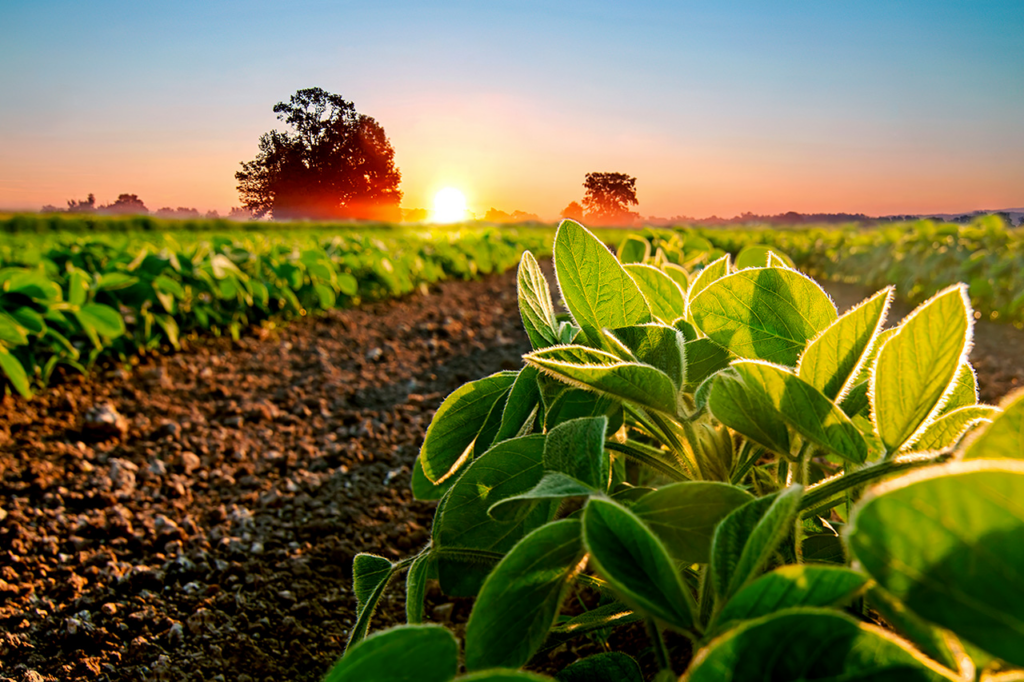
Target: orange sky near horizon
x=717, y=109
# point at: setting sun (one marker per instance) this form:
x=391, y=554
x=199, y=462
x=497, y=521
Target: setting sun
x=449, y=206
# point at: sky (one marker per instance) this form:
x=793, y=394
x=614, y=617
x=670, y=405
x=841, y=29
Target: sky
x=716, y=108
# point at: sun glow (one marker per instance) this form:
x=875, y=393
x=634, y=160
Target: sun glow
x=449, y=206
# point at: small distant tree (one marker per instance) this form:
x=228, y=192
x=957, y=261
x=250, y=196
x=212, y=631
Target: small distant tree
x=212, y=215
x=573, y=212
x=333, y=163
x=523, y=217
x=608, y=198
x=126, y=204
x=87, y=206
x=493, y=215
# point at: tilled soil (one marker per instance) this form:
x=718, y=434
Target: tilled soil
x=209, y=535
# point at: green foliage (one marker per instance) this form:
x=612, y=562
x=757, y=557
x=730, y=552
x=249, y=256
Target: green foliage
x=71, y=301
x=707, y=468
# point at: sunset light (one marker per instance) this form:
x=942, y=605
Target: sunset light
x=449, y=206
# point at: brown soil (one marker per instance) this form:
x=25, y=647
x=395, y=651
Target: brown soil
x=213, y=538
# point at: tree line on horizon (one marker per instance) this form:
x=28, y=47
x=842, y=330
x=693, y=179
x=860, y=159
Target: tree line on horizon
x=333, y=163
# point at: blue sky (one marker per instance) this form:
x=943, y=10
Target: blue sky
x=721, y=107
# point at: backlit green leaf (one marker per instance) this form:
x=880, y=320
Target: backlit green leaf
x=789, y=586
x=666, y=299
x=520, y=599
x=596, y=289
x=811, y=644
x=832, y=360
x=408, y=653
x=456, y=423
x=945, y=431
x=635, y=562
x=15, y=373
x=684, y=515
x=633, y=249
x=949, y=543
x=535, y=305
x=1004, y=437
x=916, y=367
x=749, y=412
x=748, y=536
x=713, y=272
x=800, y=405
x=653, y=344
x=763, y=313
x=605, y=373
x=370, y=577
x=576, y=448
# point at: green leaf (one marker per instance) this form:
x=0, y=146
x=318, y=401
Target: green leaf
x=811, y=644
x=704, y=357
x=535, y=304
x=833, y=359
x=15, y=373
x=789, y=586
x=101, y=319
x=606, y=374
x=915, y=368
x=166, y=285
x=455, y=425
x=1005, y=435
x=949, y=543
x=370, y=577
x=416, y=588
x=798, y=404
x=554, y=485
x=754, y=256
x=576, y=448
x=635, y=562
x=684, y=516
x=78, y=287
x=11, y=331
x=965, y=389
x=763, y=313
x=574, y=403
x=520, y=599
x=748, y=412
x=521, y=403
x=666, y=299
x=677, y=274
x=112, y=281
x=325, y=295
x=462, y=521
x=612, y=666
x=489, y=430
x=423, y=488
x=948, y=429
x=596, y=288
x=633, y=249
x=748, y=536
x=714, y=271
x=407, y=653
x=652, y=344
x=931, y=640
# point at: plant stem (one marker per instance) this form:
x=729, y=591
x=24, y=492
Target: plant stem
x=634, y=452
x=820, y=493
x=660, y=650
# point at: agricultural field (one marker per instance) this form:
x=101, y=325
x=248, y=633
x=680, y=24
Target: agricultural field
x=422, y=454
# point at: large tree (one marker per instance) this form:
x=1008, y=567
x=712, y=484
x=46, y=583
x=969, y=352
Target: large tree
x=333, y=163
x=608, y=198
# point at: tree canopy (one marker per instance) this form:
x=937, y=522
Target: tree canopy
x=608, y=198
x=333, y=163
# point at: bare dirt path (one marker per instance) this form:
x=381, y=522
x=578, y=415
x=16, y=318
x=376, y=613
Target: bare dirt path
x=213, y=539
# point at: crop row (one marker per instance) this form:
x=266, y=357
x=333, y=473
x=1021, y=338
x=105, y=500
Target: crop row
x=76, y=301
x=918, y=258
x=707, y=447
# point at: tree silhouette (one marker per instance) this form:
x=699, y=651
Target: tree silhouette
x=573, y=211
x=125, y=204
x=334, y=163
x=608, y=197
